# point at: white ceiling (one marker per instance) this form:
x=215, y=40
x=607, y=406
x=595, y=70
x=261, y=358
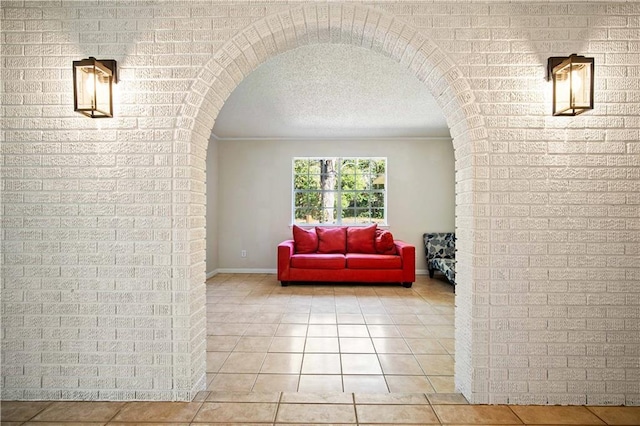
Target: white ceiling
x=329, y=91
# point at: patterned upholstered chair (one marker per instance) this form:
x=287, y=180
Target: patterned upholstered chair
x=440, y=248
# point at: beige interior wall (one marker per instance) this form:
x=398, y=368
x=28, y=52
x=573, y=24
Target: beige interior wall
x=254, y=189
x=212, y=206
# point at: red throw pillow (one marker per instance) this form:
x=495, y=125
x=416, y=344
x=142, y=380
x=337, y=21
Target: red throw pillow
x=332, y=240
x=384, y=242
x=305, y=240
x=361, y=240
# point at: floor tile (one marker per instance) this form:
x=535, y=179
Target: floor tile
x=283, y=363
x=397, y=414
x=222, y=343
x=322, y=345
x=20, y=411
x=356, y=345
x=375, y=319
x=287, y=344
x=215, y=361
x=243, y=362
x=322, y=330
x=350, y=319
x=405, y=319
x=399, y=364
x=618, y=415
x=226, y=329
x=426, y=346
x=98, y=424
x=441, y=331
x=383, y=331
x=266, y=330
x=414, y=331
x=384, y=345
x=436, y=319
x=265, y=318
x=364, y=383
x=409, y=384
x=448, y=344
x=232, y=382
x=441, y=365
x=547, y=415
x=328, y=318
x=476, y=414
x=321, y=364
x=442, y=384
x=352, y=330
x=360, y=364
x=317, y=398
x=446, y=398
x=159, y=411
x=292, y=330
x=276, y=382
x=316, y=413
x=253, y=344
x=236, y=412
x=77, y=411
x=293, y=318
x=320, y=383
x=391, y=398
x=255, y=396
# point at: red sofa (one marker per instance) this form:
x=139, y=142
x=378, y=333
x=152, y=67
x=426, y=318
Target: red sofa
x=345, y=254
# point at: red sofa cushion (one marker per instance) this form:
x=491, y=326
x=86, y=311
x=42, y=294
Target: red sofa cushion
x=318, y=261
x=361, y=240
x=332, y=240
x=373, y=261
x=305, y=240
x=384, y=242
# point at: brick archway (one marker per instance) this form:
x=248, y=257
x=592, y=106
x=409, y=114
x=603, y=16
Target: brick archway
x=345, y=24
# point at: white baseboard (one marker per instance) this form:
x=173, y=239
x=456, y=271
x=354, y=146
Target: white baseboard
x=268, y=271
x=238, y=271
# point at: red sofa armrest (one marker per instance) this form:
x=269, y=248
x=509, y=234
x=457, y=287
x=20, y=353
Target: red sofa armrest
x=285, y=251
x=408, y=254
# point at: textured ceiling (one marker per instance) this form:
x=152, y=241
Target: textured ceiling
x=329, y=91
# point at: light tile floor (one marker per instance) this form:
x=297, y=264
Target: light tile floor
x=329, y=338
x=292, y=408
x=312, y=355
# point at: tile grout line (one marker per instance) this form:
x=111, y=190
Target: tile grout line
x=355, y=408
x=599, y=418
x=39, y=412
x=116, y=413
x=275, y=417
x=515, y=414
x=197, y=412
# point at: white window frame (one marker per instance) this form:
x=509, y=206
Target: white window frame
x=339, y=192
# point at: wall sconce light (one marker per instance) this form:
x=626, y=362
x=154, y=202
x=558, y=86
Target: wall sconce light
x=93, y=87
x=572, y=84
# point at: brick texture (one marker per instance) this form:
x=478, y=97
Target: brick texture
x=103, y=220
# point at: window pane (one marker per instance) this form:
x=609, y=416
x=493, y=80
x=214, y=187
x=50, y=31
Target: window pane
x=349, y=215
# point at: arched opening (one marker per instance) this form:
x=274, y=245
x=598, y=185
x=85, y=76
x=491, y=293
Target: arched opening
x=380, y=33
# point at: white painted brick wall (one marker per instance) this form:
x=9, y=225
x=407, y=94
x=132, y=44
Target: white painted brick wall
x=102, y=220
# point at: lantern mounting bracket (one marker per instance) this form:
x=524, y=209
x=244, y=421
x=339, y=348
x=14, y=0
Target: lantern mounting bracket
x=112, y=65
x=553, y=62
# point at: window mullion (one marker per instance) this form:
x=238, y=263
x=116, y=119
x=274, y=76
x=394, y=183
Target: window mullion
x=339, y=191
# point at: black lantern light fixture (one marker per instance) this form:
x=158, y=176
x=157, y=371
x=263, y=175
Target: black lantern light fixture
x=93, y=81
x=572, y=84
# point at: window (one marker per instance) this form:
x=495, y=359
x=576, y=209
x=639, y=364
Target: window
x=340, y=191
